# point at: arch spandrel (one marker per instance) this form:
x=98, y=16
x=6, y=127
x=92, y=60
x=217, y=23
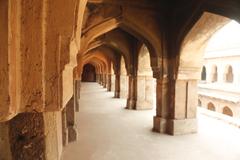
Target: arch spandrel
x=150, y=36
x=194, y=44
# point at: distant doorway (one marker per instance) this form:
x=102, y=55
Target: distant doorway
x=89, y=73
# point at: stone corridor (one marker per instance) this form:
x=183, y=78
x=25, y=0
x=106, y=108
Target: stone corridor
x=107, y=131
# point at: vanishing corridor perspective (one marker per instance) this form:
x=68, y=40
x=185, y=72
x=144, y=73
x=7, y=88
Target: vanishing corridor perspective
x=108, y=131
x=148, y=55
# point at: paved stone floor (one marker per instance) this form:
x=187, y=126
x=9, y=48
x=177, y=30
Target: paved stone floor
x=109, y=132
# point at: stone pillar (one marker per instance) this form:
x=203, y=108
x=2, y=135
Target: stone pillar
x=162, y=96
x=77, y=88
x=113, y=83
x=104, y=80
x=117, y=86
x=31, y=136
x=97, y=78
x=145, y=89
x=109, y=82
x=123, y=86
x=64, y=127
x=176, y=106
x=101, y=79
x=132, y=92
x=70, y=111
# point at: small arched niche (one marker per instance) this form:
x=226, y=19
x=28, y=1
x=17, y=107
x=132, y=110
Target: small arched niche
x=227, y=111
x=199, y=103
x=204, y=74
x=214, y=74
x=211, y=106
x=228, y=75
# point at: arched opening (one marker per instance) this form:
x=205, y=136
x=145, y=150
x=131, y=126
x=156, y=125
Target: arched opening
x=227, y=111
x=123, y=79
x=220, y=56
x=203, y=74
x=214, y=74
x=211, y=106
x=199, y=103
x=228, y=75
x=146, y=84
x=89, y=73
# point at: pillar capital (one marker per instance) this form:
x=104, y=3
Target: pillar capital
x=157, y=72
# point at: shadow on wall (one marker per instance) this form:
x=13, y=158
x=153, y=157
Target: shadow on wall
x=89, y=73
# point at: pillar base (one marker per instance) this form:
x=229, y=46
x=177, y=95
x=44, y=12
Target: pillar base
x=65, y=137
x=175, y=127
x=116, y=94
x=72, y=133
x=104, y=84
x=131, y=104
x=159, y=124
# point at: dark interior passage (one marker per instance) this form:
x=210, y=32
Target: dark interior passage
x=89, y=73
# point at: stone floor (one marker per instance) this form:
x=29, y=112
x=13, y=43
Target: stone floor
x=109, y=132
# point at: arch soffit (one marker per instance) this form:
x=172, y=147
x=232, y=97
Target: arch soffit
x=97, y=63
x=115, y=50
x=225, y=9
x=133, y=29
x=98, y=59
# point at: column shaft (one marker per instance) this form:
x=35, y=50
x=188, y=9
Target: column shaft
x=109, y=81
x=132, y=92
x=117, y=86
x=176, y=107
x=71, y=119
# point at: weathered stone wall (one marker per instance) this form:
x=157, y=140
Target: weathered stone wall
x=5, y=142
x=32, y=136
x=27, y=136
